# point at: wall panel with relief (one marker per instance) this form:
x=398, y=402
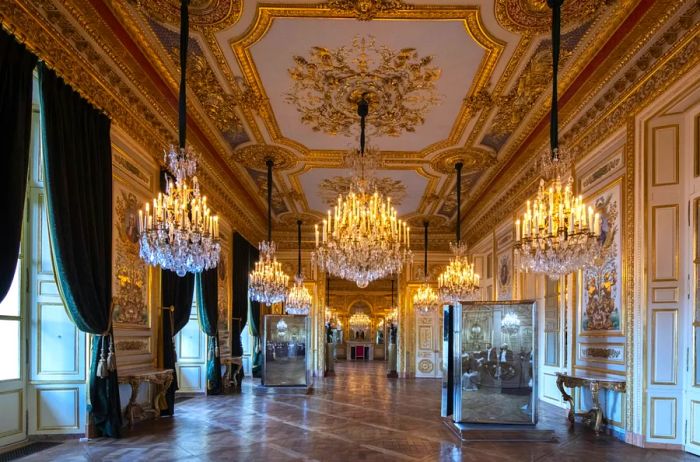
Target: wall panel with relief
x=134, y=293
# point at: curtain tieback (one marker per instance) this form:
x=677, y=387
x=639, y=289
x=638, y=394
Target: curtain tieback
x=107, y=362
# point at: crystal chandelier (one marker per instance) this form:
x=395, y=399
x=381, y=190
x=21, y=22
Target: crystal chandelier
x=510, y=324
x=362, y=239
x=558, y=234
x=425, y=299
x=281, y=327
x=459, y=281
x=299, y=298
x=268, y=283
x=359, y=321
x=179, y=233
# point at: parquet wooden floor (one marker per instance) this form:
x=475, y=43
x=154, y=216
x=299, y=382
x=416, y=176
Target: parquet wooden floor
x=359, y=415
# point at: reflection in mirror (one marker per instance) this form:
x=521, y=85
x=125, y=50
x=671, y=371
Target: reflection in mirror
x=495, y=350
x=285, y=350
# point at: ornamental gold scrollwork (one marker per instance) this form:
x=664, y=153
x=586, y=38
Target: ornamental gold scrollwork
x=399, y=85
x=220, y=106
x=204, y=14
x=330, y=188
x=605, y=353
x=535, y=16
x=256, y=156
x=365, y=10
x=473, y=159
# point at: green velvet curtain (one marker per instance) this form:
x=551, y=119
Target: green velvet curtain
x=176, y=293
x=207, y=301
x=78, y=174
x=241, y=249
x=16, y=67
x=253, y=255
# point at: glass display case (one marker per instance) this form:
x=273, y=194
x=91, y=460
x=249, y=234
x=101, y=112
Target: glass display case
x=286, y=362
x=494, y=357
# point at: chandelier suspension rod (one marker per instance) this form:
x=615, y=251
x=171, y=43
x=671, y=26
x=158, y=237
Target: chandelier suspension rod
x=362, y=111
x=269, y=164
x=554, y=113
x=425, y=247
x=184, y=42
x=458, y=168
x=299, y=248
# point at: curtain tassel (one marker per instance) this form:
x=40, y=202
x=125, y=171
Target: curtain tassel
x=212, y=354
x=111, y=358
x=102, y=371
x=216, y=348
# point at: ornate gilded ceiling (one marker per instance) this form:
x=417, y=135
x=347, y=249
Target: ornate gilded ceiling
x=445, y=83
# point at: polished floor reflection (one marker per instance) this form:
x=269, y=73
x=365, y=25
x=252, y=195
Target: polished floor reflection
x=360, y=415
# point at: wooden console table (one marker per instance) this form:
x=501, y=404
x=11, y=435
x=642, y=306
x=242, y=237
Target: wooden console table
x=595, y=384
x=230, y=375
x=160, y=378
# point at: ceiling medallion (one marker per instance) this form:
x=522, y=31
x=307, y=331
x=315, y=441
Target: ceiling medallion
x=399, y=86
x=256, y=156
x=472, y=159
x=364, y=10
x=204, y=14
x=533, y=15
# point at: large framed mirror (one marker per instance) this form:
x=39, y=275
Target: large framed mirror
x=495, y=363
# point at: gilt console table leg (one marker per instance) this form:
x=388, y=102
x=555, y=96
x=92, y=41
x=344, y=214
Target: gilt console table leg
x=595, y=391
x=566, y=397
x=132, y=401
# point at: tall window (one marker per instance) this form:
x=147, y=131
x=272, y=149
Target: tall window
x=10, y=329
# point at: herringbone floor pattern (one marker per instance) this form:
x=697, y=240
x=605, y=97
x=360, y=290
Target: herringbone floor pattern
x=359, y=415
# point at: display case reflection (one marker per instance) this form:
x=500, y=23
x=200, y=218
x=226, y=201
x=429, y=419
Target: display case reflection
x=286, y=338
x=495, y=354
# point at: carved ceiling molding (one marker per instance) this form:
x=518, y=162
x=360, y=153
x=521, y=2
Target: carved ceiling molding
x=256, y=156
x=662, y=64
x=219, y=105
x=203, y=14
x=469, y=14
x=535, y=16
x=365, y=10
x=49, y=31
x=399, y=86
x=473, y=159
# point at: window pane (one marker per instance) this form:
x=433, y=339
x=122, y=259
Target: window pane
x=9, y=345
x=9, y=306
